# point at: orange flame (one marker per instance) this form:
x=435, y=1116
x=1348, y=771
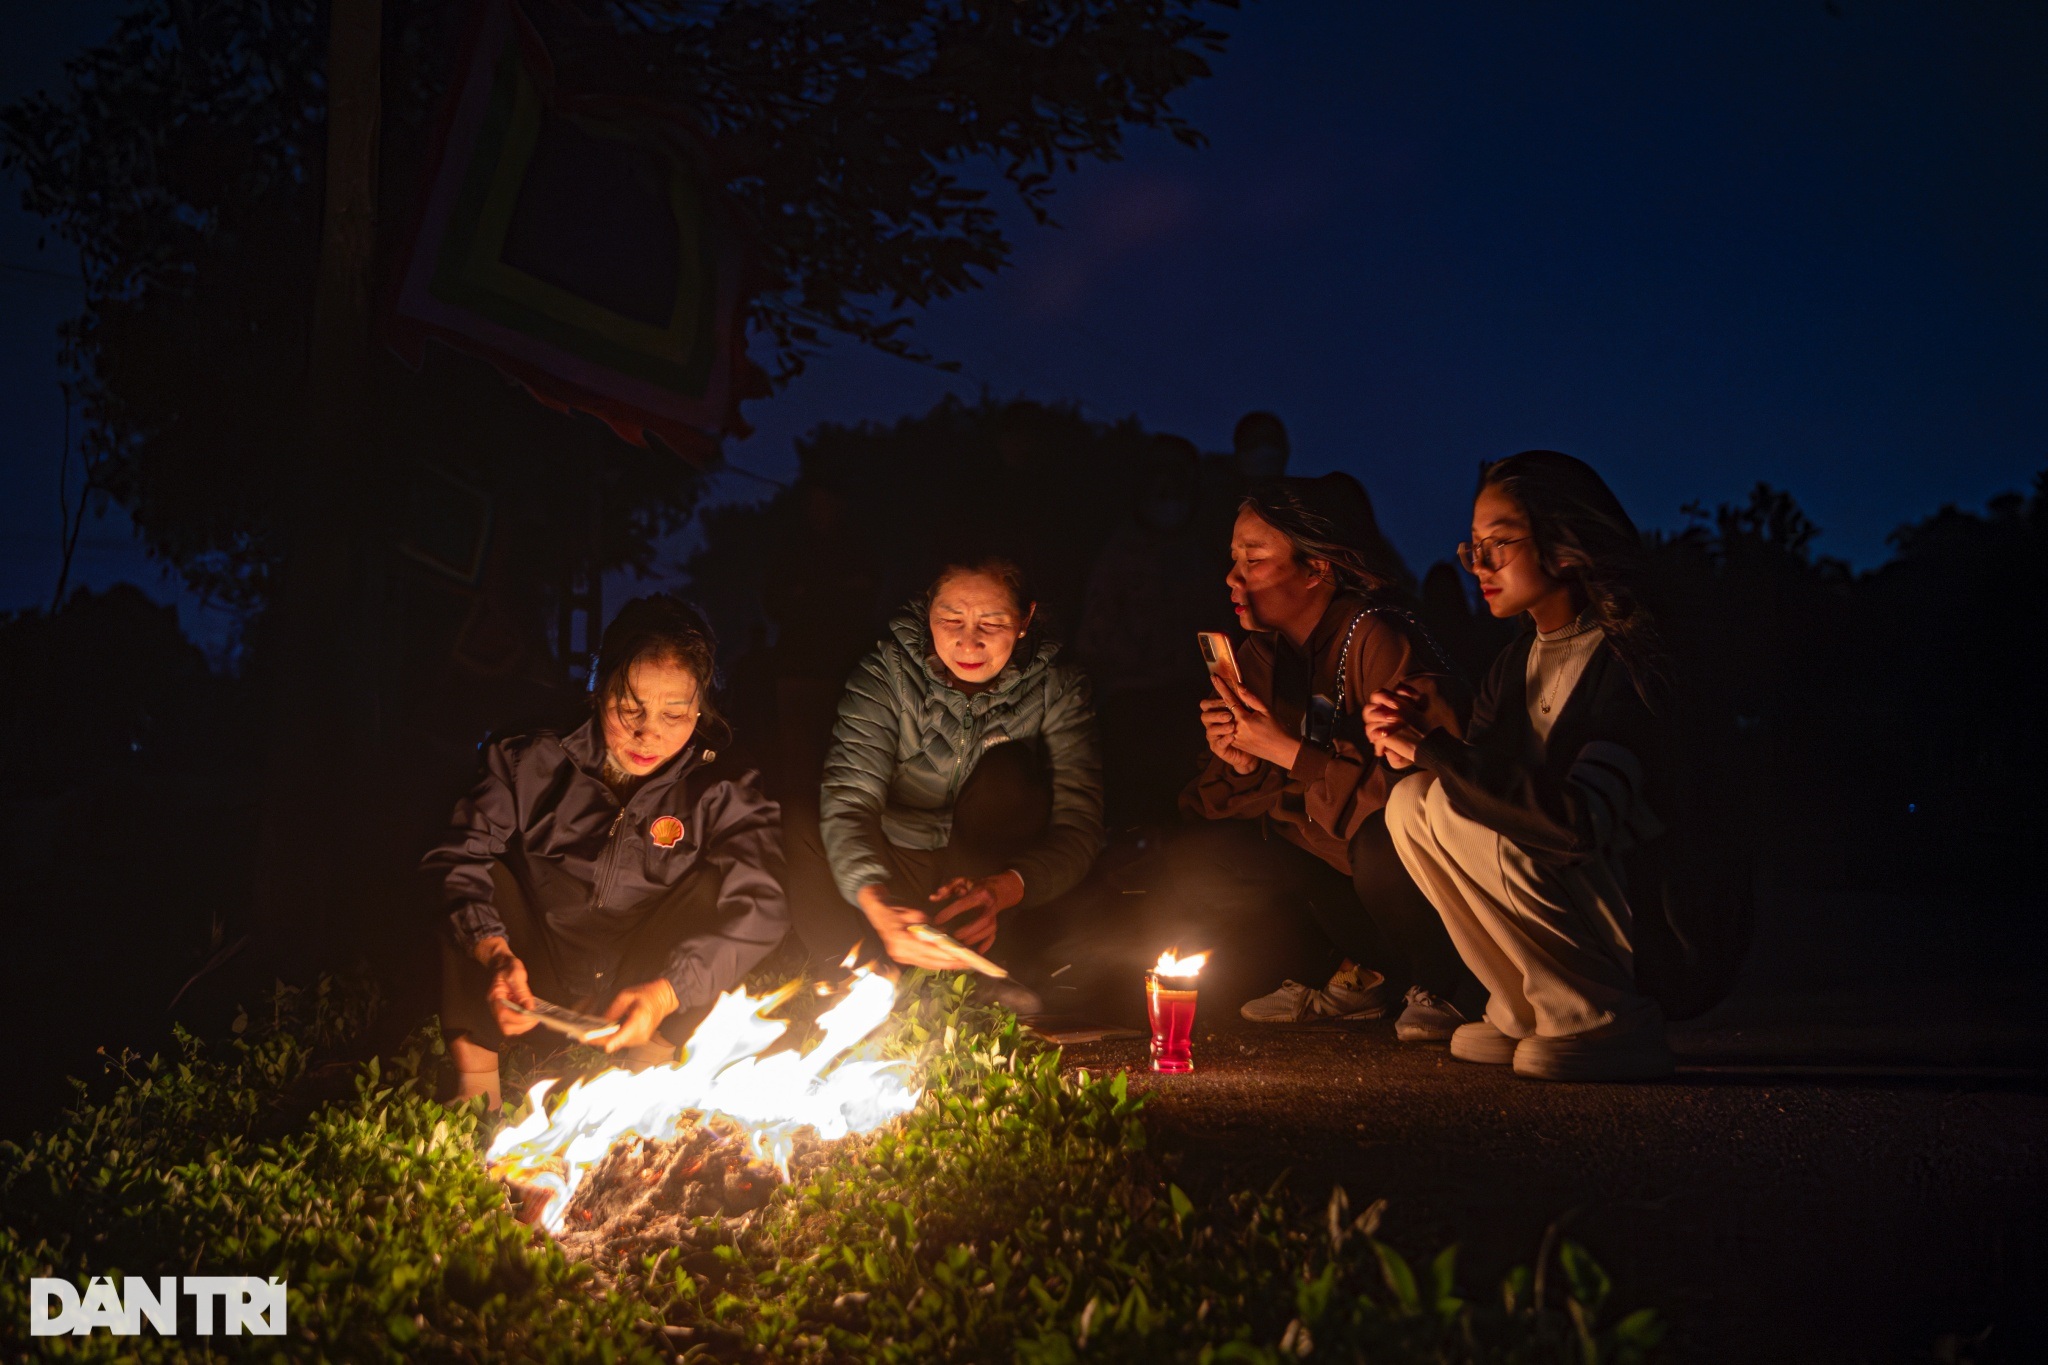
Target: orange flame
x=721, y=1073
x=1170, y=965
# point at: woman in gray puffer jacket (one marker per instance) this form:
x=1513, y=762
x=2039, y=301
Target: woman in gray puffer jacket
x=964, y=781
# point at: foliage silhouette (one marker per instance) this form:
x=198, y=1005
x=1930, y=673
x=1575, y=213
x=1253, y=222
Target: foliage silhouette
x=184, y=158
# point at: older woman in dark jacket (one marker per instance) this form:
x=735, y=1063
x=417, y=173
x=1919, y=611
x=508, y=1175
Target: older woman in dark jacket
x=622, y=866
x=963, y=786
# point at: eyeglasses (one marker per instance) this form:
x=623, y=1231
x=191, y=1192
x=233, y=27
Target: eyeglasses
x=1485, y=554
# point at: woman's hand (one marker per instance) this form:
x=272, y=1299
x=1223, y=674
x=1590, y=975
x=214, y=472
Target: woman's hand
x=1219, y=727
x=973, y=904
x=1254, y=731
x=893, y=923
x=508, y=985
x=1393, y=722
x=639, y=1011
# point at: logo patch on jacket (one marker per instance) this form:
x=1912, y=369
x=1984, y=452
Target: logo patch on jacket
x=666, y=832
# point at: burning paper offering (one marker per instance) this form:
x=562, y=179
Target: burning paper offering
x=1170, y=1002
x=722, y=1079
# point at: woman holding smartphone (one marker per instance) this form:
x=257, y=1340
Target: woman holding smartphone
x=1292, y=795
x=1520, y=831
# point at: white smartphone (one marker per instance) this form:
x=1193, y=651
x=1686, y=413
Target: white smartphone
x=1218, y=656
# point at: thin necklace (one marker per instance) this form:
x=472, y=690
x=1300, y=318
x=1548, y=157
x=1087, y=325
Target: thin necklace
x=1580, y=626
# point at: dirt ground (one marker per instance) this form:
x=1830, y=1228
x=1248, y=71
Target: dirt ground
x=1851, y=1164
x=1852, y=1216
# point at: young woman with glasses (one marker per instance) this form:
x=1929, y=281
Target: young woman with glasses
x=1519, y=832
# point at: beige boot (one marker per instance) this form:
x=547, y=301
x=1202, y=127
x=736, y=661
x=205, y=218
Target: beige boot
x=469, y=1084
x=476, y=1073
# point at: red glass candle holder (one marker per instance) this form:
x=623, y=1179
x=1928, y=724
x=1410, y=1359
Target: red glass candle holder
x=1170, y=1002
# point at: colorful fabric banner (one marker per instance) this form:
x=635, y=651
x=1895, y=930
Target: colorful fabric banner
x=578, y=244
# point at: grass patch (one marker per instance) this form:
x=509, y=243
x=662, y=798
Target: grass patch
x=1017, y=1214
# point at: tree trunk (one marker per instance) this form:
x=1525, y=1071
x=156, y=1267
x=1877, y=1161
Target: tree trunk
x=321, y=714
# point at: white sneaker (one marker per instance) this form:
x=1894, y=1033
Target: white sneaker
x=1428, y=1018
x=1630, y=1052
x=1353, y=993
x=1480, y=1041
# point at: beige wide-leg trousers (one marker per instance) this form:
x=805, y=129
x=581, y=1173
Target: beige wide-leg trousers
x=1551, y=944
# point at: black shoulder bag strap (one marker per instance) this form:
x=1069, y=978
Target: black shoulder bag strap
x=1321, y=730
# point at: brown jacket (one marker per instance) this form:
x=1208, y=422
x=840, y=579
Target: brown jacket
x=1330, y=793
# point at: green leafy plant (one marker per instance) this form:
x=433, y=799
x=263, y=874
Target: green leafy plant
x=1019, y=1213
x=348, y=1182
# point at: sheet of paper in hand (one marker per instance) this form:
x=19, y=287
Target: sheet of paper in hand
x=583, y=1028
x=969, y=959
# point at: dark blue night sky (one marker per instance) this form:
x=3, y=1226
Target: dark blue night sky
x=1699, y=244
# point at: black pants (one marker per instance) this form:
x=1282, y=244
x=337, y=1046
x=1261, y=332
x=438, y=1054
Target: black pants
x=689, y=904
x=1270, y=909
x=1003, y=810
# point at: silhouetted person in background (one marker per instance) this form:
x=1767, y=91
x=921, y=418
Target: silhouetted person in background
x=1259, y=450
x=1151, y=590
x=820, y=591
x=619, y=867
x=748, y=696
x=1470, y=641
x=1260, y=444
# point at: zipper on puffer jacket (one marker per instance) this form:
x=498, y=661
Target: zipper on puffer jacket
x=607, y=862
x=970, y=745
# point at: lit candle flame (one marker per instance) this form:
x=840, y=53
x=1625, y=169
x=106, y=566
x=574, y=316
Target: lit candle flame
x=1171, y=965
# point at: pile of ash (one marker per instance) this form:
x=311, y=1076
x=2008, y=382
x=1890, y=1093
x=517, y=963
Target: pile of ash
x=644, y=1195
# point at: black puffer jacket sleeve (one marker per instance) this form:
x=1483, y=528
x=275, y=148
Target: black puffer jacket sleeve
x=1570, y=802
x=483, y=825
x=743, y=845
